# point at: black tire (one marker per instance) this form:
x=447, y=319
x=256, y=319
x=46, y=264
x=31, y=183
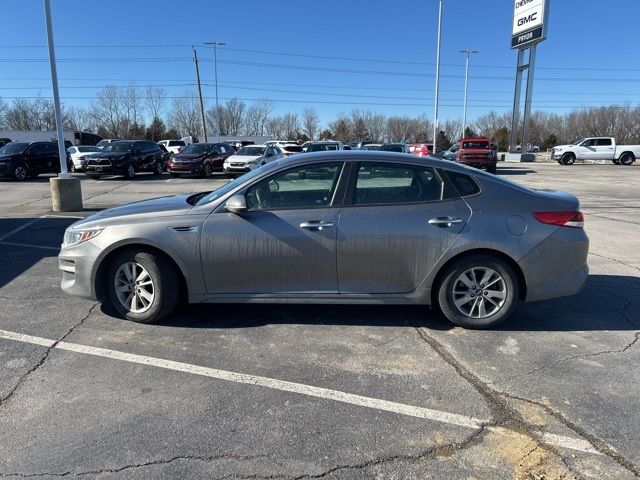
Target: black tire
x=207, y=171
x=568, y=159
x=71, y=168
x=165, y=285
x=158, y=168
x=492, y=169
x=93, y=176
x=445, y=291
x=20, y=172
x=616, y=161
x=627, y=159
x=129, y=171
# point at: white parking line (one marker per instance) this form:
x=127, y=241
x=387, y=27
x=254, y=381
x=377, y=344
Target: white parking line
x=42, y=247
x=285, y=386
x=167, y=181
x=21, y=227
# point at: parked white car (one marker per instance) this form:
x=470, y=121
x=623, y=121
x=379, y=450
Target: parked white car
x=596, y=148
x=251, y=157
x=173, y=146
x=77, y=154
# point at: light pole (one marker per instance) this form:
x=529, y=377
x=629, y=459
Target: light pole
x=216, y=44
x=467, y=53
x=66, y=193
x=435, y=114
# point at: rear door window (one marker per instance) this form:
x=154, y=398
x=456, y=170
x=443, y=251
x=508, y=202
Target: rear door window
x=381, y=183
x=465, y=185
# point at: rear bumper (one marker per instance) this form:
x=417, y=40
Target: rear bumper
x=478, y=163
x=557, y=267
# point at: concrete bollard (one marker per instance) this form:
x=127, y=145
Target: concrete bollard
x=66, y=194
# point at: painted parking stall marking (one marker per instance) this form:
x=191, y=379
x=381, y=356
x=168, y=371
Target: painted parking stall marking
x=292, y=387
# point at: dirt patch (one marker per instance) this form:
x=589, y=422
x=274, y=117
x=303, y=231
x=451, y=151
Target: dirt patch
x=528, y=458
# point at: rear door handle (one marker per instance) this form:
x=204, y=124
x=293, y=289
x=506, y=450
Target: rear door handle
x=316, y=225
x=444, y=221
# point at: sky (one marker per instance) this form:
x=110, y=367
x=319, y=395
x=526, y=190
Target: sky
x=334, y=56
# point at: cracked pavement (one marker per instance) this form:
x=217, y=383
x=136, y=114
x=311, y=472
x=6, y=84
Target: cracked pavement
x=565, y=367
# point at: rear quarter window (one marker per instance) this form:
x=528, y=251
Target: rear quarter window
x=465, y=185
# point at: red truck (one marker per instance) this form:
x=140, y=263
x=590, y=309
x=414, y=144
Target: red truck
x=477, y=152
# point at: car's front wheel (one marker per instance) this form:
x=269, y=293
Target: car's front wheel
x=143, y=286
x=20, y=171
x=479, y=291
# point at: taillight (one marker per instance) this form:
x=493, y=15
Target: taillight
x=561, y=219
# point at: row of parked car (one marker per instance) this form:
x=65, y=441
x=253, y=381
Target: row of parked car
x=21, y=160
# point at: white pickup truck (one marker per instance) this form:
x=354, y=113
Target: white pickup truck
x=596, y=148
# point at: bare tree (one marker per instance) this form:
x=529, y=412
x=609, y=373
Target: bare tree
x=154, y=100
x=185, y=115
x=257, y=116
x=78, y=119
x=310, y=122
x=341, y=128
x=108, y=111
x=453, y=129
x=276, y=128
x=291, y=126
x=376, y=125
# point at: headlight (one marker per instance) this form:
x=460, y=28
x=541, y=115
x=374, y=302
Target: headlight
x=252, y=162
x=74, y=236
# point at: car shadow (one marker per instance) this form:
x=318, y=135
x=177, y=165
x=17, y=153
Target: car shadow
x=599, y=307
x=514, y=171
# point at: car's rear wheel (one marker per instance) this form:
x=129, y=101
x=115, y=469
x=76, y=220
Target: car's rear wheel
x=479, y=291
x=20, y=171
x=616, y=161
x=627, y=159
x=129, y=171
x=143, y=286
x=568, y=159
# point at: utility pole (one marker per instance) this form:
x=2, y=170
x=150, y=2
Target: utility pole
x=204, y=125
x=66, y=192
x=435, y=114
x=467, y=53
x=215, y=44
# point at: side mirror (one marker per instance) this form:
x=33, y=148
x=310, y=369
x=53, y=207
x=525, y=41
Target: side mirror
x=236, y=204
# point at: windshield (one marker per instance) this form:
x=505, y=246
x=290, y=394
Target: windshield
x=251, y=151
x=223, y=190
x=88, y=149
x=196, y=149
x=580, y=140
x=118, y=147
x=13, y=148
x=322, y=147
x=476, y=144
x=392, y=148
x=292, y=148
x=103, y=143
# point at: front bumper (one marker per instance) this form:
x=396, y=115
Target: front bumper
x=113, y=169
x=78, y=270
x=245, y=167
x=195, y=167
x=557, y=267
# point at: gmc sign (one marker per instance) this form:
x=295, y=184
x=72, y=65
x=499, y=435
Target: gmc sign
x=528, y=22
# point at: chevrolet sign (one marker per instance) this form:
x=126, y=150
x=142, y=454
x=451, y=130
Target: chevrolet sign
x=529, y=22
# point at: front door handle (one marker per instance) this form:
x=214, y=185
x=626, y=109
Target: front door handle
x=444, y=221
x=316, y=225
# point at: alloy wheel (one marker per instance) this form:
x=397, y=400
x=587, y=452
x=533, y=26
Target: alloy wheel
x=20, y=173
x=479, y=292
x=134, y=287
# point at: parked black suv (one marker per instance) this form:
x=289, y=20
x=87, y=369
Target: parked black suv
x=20, y=160
x=126, y=157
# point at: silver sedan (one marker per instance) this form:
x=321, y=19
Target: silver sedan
x=336, y=227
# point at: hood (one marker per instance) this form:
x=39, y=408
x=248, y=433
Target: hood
x=157, y=207
x=560, y=147
x=243, y=158
x=106, y=154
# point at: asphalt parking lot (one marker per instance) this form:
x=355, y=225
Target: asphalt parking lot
x=340, y=392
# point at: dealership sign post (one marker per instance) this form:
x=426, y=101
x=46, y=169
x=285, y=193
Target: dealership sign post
x=530, y=20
